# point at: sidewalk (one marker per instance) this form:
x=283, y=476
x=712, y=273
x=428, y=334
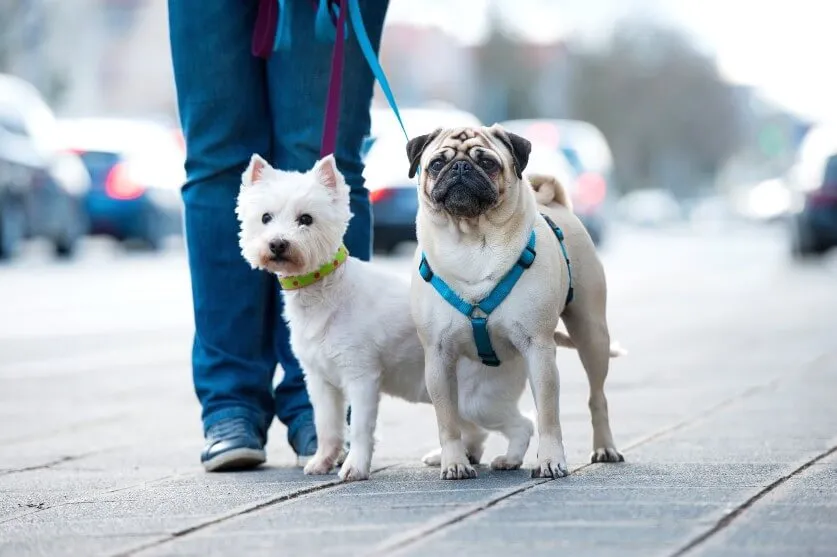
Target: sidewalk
x=729, y=427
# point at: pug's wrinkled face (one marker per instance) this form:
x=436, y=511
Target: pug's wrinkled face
x=467, y=171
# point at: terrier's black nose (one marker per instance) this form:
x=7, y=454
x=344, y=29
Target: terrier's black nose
x=461, y=167
x=279, y=247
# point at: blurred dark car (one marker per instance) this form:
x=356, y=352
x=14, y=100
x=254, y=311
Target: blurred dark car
x=814, y=228
x=41, y=186
x=393, y=195
x=587, y=151
x=136, y=167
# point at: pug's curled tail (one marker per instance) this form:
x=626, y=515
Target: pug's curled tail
x=563, y=339
x=549, y=190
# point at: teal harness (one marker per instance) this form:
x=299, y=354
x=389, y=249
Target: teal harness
x=479, y=319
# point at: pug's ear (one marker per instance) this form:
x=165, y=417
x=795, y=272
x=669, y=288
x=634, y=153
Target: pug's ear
x=416, y=146
x=518, y=146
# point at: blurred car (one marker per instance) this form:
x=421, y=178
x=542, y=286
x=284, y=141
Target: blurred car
x=136, y=167
x=588, y=153
x=393, y=194
x=650, y=208
x=813, y=183
x=41, y=186
x=814, y=228
x=545, y=160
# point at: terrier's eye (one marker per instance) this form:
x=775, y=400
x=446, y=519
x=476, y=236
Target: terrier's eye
x=305, y=219
x=488, y=165
x=266, y=218
x=437, y=165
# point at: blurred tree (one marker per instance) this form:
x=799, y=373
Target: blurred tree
x=505, y=75
x=10, y=16
x=670, y=118
x=24, y=34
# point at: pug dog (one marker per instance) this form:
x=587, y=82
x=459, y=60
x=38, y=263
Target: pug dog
x=478, y=216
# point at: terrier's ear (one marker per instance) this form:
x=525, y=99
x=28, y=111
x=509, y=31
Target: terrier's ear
x=255, y=170
x=416, y=146
x=326, y=172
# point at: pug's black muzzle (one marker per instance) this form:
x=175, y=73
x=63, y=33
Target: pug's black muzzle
x=464, y=191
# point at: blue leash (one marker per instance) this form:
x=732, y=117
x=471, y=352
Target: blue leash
x=325, y=23
x=479, y=323
x=372, y=60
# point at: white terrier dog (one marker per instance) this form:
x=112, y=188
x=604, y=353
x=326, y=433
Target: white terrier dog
x=350, y=321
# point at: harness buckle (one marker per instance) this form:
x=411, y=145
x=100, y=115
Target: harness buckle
x=425, y=271
x=527, y=257
x=490, y=360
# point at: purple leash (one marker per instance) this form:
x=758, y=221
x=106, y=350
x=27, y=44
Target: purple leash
x=265, y=31
x=332, y=111
x=264, y=43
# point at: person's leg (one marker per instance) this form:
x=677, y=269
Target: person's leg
x=221, y=93
x=297, y=84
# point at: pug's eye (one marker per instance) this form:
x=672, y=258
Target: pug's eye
x=488, y=165
x=266, y=218
x=305, y=219
x=437, y=165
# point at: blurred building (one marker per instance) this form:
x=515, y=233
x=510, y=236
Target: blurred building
x=92, y=57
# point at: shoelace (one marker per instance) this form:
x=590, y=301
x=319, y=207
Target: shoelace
x=231, y=428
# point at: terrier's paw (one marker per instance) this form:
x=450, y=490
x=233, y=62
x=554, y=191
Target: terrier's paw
x=433, y=458
x=355, y=468
x=318, y=466
x=458, y=471
x=349, y=473
x=606, y=454
x=504, y=462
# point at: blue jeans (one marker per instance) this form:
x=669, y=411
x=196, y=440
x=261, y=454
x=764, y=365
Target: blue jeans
x=231, y=105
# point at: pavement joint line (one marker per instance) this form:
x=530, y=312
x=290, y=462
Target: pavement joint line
x=730, y=516
x=271, y=502
x=49, y=464
x=400, y=543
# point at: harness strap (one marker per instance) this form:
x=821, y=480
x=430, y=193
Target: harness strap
x=479, y=321
x=560, y=235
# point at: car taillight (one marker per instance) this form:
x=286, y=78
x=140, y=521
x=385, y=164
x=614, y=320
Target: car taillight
x=379, y=195
x=827, y=195
x=591, y=189
x=119, y=185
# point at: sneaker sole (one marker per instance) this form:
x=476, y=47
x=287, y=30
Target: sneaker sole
x=235, y=459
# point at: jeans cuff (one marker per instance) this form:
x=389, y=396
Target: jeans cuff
x=298, y=422
x=257, y=418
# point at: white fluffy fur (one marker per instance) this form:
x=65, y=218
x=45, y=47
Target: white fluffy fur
x=471, y=255
x=351, y=331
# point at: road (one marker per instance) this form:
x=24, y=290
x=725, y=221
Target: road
x=724, y=407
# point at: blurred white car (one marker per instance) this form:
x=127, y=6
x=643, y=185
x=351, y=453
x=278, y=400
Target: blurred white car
x=586, y=149
x=545, y=160
x=393, y=194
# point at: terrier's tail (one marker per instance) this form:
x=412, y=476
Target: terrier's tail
x=563, y=339
x=549, y=190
